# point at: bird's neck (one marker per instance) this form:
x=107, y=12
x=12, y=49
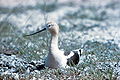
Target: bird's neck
x=54, y=44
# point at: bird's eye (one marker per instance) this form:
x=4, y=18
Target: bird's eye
x=49, y=25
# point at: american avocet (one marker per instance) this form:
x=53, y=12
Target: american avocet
x=57, y=58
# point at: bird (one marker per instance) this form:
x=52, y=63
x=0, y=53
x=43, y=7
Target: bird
x=57, y=58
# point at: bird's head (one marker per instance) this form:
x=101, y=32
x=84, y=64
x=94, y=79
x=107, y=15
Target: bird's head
x=51, y=26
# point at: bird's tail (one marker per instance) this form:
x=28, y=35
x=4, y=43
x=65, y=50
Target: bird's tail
x=79, y=51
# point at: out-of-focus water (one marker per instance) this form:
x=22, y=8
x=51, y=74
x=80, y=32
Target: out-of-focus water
x=90, y=20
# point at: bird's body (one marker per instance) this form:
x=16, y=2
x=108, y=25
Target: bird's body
x=57, y=58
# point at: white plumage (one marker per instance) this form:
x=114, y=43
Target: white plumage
x=57, y=58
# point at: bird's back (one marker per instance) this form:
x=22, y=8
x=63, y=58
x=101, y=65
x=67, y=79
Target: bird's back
x=73, y=57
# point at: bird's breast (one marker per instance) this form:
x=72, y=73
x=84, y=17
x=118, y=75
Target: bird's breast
x=56, y=59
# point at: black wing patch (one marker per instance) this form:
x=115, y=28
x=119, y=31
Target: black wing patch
x=80, y=51
x=73, y=60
